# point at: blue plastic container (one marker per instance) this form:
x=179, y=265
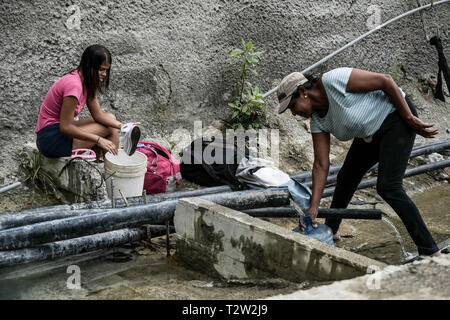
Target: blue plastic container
x=322, y=232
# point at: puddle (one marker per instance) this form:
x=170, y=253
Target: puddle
x=377, y=240
x=149, y=276
x=406, y=255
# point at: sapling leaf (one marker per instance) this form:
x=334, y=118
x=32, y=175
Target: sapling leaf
x=248, y=102
x=235, y=52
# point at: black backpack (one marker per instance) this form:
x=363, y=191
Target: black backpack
x=214, y=174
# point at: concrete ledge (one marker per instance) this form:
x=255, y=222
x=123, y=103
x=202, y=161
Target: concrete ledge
x=232, y=245
x=79, y=179
x=420, y=280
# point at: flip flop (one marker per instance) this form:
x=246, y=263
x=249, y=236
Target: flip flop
x=86, y=154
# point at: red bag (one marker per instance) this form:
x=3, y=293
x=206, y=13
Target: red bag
x=163, y=170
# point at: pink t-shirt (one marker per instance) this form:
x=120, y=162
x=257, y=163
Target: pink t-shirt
x=68, y=85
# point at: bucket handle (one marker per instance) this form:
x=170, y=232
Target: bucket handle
x=111, y=175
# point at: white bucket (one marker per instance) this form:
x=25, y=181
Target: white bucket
x=128, y=173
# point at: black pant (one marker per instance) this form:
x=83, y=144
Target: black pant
x=391, y=147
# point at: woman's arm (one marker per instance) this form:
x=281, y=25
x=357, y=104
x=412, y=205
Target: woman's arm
x=321, y=142
x=364, y=81
x=66, y=125
x=99, y=116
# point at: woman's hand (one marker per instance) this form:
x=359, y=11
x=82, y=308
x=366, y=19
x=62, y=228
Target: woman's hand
x=422, y=128
x=107, y=145
x=313, y=214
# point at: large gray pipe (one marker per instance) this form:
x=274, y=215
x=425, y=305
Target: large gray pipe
x=65, y=248
x=281, y=197
x=159, y=213
x=53, y=250
x=332, y=173
x=368, y=214
x=57, y=212
x=408, y=173
x=120, y=203
x=11, y=186
x=27, y=217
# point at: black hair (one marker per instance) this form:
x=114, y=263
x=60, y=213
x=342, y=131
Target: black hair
x=91, y=60
x=307, y=85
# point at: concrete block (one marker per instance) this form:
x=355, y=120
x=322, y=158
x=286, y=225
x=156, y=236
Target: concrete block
x=229, y=244
x=81, y=181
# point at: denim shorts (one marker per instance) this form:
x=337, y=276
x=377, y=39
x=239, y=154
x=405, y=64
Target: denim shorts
x=52, y=143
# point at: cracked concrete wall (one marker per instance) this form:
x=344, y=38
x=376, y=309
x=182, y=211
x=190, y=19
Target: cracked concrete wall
x=169, y=56
x=229, y=244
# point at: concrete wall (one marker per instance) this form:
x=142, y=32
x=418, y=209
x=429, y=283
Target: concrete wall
x=232, y=245
x=169, y=55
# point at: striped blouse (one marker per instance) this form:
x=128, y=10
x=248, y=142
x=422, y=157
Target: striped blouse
x=349, y=114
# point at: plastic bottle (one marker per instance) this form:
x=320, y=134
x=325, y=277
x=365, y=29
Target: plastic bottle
x=322, y=232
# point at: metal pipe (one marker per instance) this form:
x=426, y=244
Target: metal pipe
x=11, y=186
x=15, y=219
x=167, y=239
x=307, y=175
x=331, y=179
x=22, y=219
x=61, y=229
x=408, y=173
x=56, y=212
x=158, y=213
x=426, y=145
x=417, y=151
x=74, y=246
x=427, y=149
x=288, y=212
x=106, y=204
x=328, y=57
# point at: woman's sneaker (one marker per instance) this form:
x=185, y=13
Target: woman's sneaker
x=131, y=135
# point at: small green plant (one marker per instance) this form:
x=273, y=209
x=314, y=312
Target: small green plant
x=247, y=104
x=38, y=178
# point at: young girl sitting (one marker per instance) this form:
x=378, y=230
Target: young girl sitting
x=58, y=130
